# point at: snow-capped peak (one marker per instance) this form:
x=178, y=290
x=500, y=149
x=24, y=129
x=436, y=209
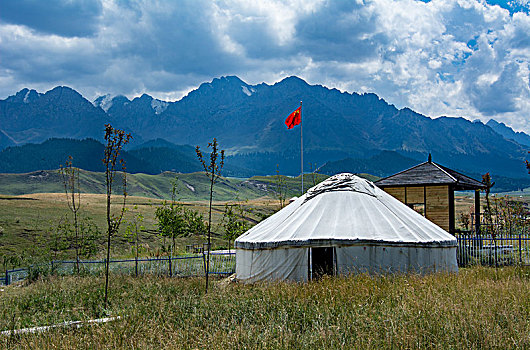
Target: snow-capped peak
x=105, y=102
x=247, y=91
x=159, y=106
x=26, y=98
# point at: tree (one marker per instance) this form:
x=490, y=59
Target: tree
x=464, y=219
x=171, y=223
x=115, y=140
x=213, y=171
x=281, y=188
x=314, y=173
x=509, y=214
x=60, y=234
x=171, y=220
x=233, y=222
x=486, y=180
x=131, y=233
x=194, y=222
x=89, y=235
x=70, y=176
x=62, y=237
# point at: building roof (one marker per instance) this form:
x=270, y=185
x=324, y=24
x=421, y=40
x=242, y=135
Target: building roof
x=344, y=210
x=430, y=173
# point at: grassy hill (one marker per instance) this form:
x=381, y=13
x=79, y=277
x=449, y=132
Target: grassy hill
x=192, y=186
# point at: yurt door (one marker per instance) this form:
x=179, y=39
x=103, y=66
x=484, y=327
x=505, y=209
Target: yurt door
x=322, y=261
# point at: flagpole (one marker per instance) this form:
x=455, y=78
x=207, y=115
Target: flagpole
x=302, y=147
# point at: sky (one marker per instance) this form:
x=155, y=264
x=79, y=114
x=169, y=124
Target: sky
x=458, y=58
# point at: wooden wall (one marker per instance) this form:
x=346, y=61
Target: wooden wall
x=437, y=206
x=435, y=199
x=396, y=192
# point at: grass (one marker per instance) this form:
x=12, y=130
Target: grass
x=25, y=221
x=476, y=309
x=191, y=186
x=32, y=203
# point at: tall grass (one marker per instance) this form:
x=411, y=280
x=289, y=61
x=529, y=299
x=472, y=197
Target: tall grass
x=476, y=309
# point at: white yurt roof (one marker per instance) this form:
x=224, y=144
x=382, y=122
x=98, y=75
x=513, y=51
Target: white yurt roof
x=345, y=210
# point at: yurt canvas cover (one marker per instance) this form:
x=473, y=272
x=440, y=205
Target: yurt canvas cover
x=344, y=225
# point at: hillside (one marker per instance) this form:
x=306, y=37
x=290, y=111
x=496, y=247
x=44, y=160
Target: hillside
x=192, y=186
x=383, y=164
x=158, y=156
x=150, y=158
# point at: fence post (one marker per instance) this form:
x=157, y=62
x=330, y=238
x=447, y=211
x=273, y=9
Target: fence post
x=7, y=277
x=204, y=262
x=494, y=255
x=520, y=250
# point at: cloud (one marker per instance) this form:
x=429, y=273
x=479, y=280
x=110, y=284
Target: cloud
x=60, y=17
x=442, y=57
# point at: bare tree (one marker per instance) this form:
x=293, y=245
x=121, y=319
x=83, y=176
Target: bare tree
x=70, y=176
x=281, y=187
x=115, y=140
x=486, y=180
x=131, y=233
x=213, y=171
x=314, y=173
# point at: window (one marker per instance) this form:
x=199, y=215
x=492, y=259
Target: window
x=418, y=207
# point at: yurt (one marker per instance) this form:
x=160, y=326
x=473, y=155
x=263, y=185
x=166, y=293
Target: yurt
x=343, y=225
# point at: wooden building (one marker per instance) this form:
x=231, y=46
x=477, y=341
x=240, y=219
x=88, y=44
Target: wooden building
x=429, y=189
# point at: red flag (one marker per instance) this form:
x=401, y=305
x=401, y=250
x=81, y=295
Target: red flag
x=294, y=118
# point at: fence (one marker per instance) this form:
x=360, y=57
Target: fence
x=473, y=249
x=493, y=250
x=183, y=266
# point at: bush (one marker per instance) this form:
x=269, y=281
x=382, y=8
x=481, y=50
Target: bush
x=35, y=272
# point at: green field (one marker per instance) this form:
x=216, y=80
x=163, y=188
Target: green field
x=26, y=222
x=32, y=204
x=478, y=308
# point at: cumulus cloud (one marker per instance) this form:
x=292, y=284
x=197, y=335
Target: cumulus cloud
x=442, y=57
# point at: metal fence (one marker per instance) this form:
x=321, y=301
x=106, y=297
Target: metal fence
x=181, y=266
x=493, y=250
x=502, y=249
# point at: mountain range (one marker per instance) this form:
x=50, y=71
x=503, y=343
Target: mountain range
x=508, y=133
x=152, y=157
x=248, y=121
